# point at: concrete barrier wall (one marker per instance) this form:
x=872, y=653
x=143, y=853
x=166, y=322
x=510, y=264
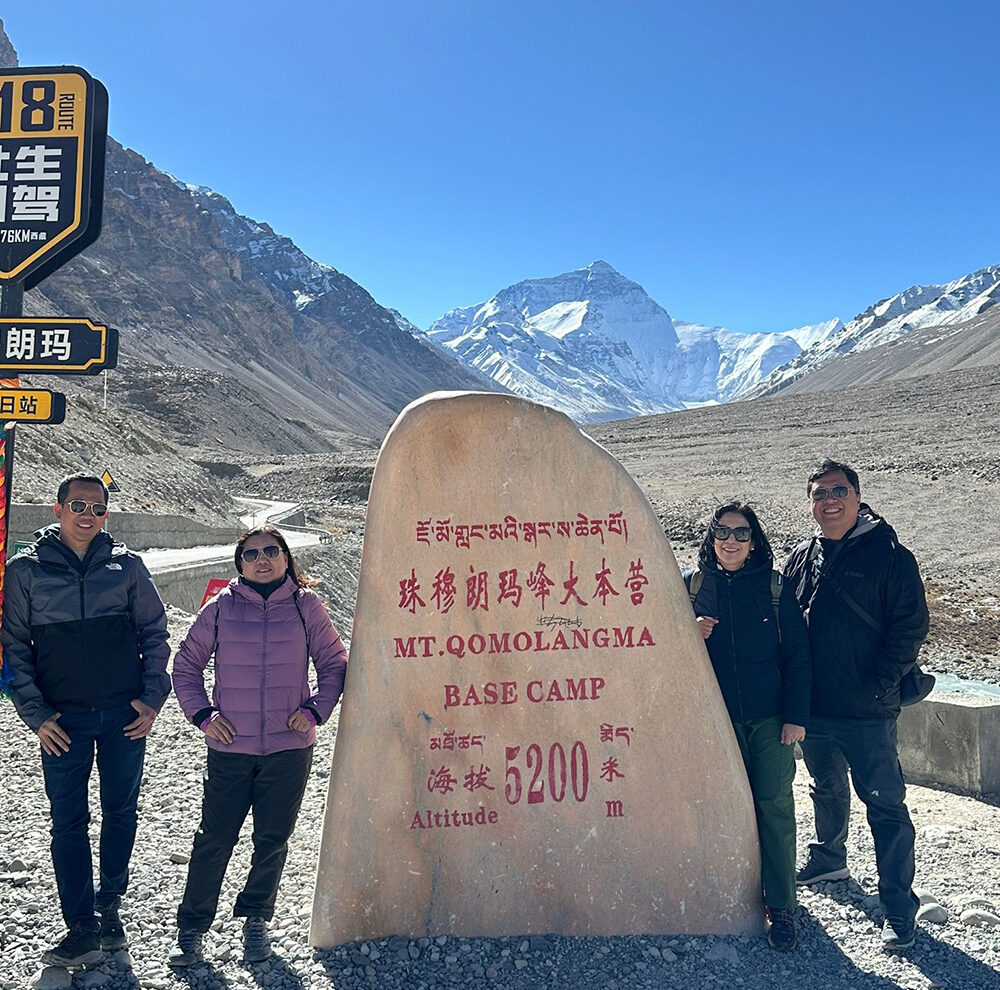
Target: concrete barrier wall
x=952, y=741
x=138, y=530
x=185, y=587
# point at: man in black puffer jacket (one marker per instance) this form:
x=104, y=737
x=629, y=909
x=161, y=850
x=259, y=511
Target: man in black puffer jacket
x=863, y=599
x=85, y=651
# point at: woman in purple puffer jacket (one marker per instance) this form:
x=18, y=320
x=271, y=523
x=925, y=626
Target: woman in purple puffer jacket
x=260, y=727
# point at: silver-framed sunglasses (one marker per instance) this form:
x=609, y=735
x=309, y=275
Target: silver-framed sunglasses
x=822, y=494
x=253, y=553
x=79, y=507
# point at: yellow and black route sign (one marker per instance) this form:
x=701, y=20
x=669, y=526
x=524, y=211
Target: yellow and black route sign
x=32, y=405
x=53, y=129
x=111, y=484
x=56, y=346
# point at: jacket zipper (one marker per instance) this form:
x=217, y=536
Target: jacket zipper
x=732, y=641
x=263, y=681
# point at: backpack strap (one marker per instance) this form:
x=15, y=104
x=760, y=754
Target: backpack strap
x=695, y=581
x=298, y=608
x=777, y=580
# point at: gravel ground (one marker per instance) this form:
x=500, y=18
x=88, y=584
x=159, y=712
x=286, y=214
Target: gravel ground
x=958, y=863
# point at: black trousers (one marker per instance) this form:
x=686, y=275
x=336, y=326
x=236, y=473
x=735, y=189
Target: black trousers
x=273, y=787
x=868, y=747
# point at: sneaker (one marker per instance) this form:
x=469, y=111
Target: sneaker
x=812, y=873
x=897, y=935
x=781, y=935
x=112, y=933
x=256, y=944
x=80, y=947
x=187, y=950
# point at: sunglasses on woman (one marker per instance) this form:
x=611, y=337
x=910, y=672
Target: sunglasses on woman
x=79, y=507
x=740, y=533
x=253, y=553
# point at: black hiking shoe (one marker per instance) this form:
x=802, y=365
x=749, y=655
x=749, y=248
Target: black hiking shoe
x=187, y=950
x=81, y=946
x=897, y=935
x=112, y=932
x=781, y=935
x=814, y=873
x=256, y=944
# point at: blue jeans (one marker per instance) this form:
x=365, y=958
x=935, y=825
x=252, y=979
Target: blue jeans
x=119, y=763
x=868, y=747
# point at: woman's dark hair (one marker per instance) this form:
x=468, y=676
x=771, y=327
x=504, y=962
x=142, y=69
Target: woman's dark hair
x=302, y=580
x=761, y=551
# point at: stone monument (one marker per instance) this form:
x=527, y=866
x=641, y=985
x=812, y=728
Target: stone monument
x=531, y=737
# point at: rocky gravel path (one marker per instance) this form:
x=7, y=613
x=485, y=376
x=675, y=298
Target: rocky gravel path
x=958, y=866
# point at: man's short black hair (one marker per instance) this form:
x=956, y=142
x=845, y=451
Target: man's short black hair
x=830, y=465
x=83, y=479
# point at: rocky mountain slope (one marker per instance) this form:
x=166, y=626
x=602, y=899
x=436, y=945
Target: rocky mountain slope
x=232, y=340
x=191, y=283
x=934, y=350
x=953, y=304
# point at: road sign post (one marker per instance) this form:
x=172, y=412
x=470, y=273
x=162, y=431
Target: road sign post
x=53, y=135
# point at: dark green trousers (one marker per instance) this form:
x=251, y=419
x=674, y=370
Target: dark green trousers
x=771, y=770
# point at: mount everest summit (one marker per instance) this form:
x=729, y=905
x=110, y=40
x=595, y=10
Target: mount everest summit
x=593, y=343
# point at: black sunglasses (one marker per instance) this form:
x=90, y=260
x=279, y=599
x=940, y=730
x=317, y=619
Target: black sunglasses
x=79, y=507
x=822, y=494
x=253, y=553
x=741, y=533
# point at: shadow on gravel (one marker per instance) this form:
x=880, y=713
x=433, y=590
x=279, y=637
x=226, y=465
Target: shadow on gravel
x=200, y=975
x=941, y=963
x=123, y=976
x=621, y=963
x=274, y=972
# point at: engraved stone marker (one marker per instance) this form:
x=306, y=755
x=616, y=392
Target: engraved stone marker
x=531, y=737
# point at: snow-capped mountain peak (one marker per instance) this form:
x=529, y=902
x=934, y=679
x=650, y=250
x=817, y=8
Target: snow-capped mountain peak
x=593, y=343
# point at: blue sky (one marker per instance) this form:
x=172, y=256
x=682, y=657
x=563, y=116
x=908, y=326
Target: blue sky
x=756, y=165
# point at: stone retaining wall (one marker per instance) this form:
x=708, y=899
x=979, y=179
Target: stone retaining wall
x=138, y=530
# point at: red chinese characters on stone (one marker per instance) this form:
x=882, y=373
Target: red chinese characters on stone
x=408, y=597
x=477, y=779
x=540, y=584
x=509, y=587
x=570, y=585
x=610, y=770
x=636, y=581
x=510, y=590
x=444, y=590
x=441, y=780
x=477, y=590
x=604, y=589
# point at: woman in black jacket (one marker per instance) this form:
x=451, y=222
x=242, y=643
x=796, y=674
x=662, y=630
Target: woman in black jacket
x=759, y=647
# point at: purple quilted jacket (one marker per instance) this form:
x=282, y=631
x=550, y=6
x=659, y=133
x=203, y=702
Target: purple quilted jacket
x=261, y=665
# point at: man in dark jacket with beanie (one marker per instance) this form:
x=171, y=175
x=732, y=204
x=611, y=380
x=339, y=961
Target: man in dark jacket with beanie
x=863, y=599
x=85, y=648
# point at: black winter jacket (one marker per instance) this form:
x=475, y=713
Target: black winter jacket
x=82, y=635
x=759, y=677
x=856, y=668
